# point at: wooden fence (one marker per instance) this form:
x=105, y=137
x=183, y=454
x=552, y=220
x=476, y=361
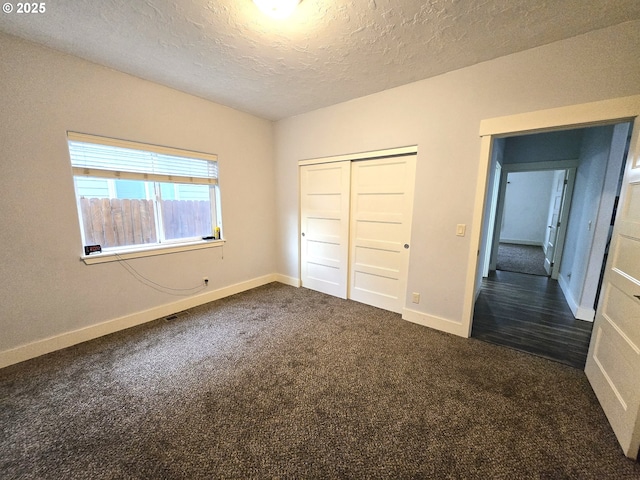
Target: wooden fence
x=113, y=222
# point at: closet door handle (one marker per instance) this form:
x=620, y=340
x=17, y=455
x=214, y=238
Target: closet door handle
x=406, y=246
x=303, y=234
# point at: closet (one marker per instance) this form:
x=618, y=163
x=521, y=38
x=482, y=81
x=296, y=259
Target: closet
x=355, y=219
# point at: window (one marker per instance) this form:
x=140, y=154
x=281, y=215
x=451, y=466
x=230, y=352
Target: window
x=132, y=195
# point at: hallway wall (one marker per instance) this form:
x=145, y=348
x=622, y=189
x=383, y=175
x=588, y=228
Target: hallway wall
x=593, y=197
x=526, y=207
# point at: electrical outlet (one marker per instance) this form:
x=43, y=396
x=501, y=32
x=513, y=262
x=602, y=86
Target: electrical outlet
x=205, y=281
x=415, y=297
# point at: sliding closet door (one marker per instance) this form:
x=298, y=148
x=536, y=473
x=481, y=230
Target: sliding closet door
x=381, y=209
x=324, y=204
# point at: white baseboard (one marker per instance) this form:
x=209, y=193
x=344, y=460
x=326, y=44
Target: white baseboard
x=564, y=286
x=437, y=323
x=587, y=314
x=292, y=281
x=68, y=339
x=521, y=242
x=477, y=292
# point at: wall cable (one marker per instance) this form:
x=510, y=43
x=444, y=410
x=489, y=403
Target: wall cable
x=179, y=292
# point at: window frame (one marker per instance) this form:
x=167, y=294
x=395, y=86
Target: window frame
x=153, y=189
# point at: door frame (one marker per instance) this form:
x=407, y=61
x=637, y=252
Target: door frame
x=569, y=166
x=605, y=112
x=493, y=206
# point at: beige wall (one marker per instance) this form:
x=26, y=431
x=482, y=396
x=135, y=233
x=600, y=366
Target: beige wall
x=45, y=290
x=442, y=116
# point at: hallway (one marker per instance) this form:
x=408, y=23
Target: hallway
x=529, y=313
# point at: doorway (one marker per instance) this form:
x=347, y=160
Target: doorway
x=533, y=207
x=547, y=309
x=614, y=351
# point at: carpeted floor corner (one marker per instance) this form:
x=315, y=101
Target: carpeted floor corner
x=527, y=259
x=280, y=382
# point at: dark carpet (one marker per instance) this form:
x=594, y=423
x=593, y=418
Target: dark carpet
x=280, y=382
x=521, y=259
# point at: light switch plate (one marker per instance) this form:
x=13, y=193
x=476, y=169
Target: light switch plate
x=461, y=229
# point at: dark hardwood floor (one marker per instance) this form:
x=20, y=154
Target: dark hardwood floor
x=529, y=313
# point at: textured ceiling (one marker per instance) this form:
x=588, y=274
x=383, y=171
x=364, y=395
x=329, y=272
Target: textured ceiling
x=329, y=51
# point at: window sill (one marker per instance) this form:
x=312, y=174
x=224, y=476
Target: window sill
x=149, y=251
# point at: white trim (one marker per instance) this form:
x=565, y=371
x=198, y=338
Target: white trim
x=486, y=148
x=571, y=302
x=68, y=339
x=522, y=242
x=149, y=251
x=535, y=166
x=586, y=314
x=580, y=313
x=611, y=111
x=286, y=280
x=390, y=152
x=437, y=323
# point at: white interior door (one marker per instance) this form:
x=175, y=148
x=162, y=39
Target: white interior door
x=561, y=233
x=554, y=219
x=381, y=210
x=324, y=217
x=558, y=218
x=613, y=363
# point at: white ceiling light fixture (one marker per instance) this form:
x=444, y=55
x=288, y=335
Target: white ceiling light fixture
x=278, y=9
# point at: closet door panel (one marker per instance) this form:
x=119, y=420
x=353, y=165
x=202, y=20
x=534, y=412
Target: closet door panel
x=380, y=224
x=324, y=219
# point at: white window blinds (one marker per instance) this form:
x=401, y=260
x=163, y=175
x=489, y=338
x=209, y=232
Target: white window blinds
x=95, y=156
